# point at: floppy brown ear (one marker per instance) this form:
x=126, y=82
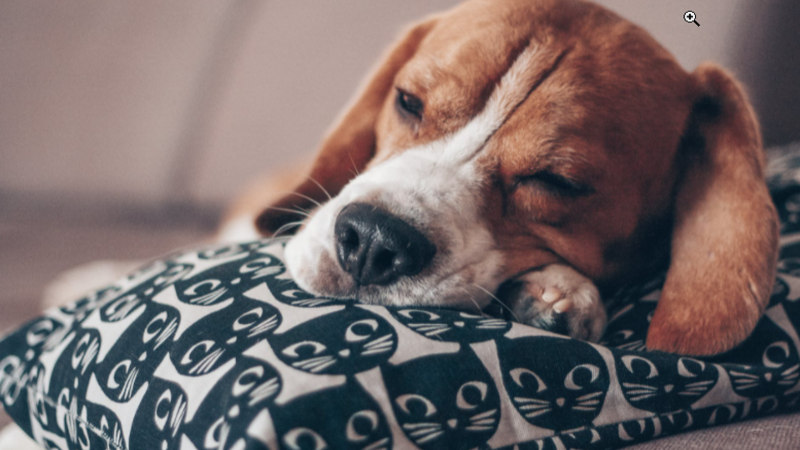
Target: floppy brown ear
x=350, y=144
x=725, y=238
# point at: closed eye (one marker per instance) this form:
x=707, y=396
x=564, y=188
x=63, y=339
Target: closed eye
x=409, y=106
x=554, y=184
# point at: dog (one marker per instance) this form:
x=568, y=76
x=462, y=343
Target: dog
x=535, y=151
x=539, y=152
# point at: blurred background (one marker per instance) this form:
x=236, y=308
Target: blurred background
x=125, y=127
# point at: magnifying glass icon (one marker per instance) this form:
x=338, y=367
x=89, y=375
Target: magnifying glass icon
x=691, y=17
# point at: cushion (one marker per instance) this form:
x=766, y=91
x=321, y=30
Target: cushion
x=218, y=348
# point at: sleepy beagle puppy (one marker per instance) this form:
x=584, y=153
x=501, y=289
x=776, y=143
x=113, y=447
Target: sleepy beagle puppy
x=549, y=147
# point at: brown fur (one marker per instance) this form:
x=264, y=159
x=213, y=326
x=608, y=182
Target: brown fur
x=663, y=150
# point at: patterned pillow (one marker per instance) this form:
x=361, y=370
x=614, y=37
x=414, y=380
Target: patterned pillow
x=219, y=349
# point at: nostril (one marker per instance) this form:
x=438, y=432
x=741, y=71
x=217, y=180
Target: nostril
x=348, y=237
x=384, y=260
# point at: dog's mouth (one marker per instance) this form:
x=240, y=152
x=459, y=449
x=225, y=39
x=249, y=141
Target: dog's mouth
x=364, y=251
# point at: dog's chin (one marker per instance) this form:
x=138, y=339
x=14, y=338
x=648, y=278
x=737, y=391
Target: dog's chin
x=321, y=275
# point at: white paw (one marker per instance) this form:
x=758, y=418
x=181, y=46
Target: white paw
x=556, y=293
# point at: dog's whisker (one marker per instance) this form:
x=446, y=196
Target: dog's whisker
x=297, y=211
x=286, y=227
x=497, y=299
x=307, y=198
x=472, y=299
x=355, y=168
x=321, y=187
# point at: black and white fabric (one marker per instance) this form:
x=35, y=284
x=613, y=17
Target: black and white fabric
x=219, y=349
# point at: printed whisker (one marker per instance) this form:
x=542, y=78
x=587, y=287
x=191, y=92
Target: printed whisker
x=378, y=445
x=316, y=365
x=478, y=428
x=437, y=332
x=642, y=397
x=589, y=402
x=530, y=400
x=178, y=415
x=792, y=376
x=414, y=426
x=589, y=396
x=264, y=391
x=322, y=366
x=428, y=326
x=538, y=413
x=491, y=327
x=127, y=388
x=430, y=437
x=424, y=431
x=692, y=393
x=584, y=408
x=311, y=302
x=700, y=383
x=533, y=407
x=641, y=386
x=387, y=344
x=699, y=389
x=488, y=421
x=263, y=327
x=380, y=340
x=747, y=386
x=207, y=363
x=483, y=415
x=166, y=334
x=786, y=382
x=791, y=370
x=376, y=350
x=209, y=298
x=640, y=391
x=312, y=361
x=633, y=345
x=743, y=375
x=492, y=322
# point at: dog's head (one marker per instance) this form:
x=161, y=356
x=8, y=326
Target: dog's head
x=502, y=136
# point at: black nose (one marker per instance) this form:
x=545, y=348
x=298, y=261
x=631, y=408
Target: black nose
x=376, y=247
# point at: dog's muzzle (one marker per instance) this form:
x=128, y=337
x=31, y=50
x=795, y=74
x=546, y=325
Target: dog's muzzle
x=376, y=247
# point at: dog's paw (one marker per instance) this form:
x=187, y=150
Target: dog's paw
x=558, y=298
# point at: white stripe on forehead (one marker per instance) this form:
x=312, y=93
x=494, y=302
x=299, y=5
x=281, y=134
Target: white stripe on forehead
x=512, y=89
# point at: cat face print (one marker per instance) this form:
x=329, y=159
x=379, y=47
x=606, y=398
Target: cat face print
x=659, y=383
x=352, y=420
x=768, y=362
x=223, y=335
x=137, y=352
x=627, y=327
x=345, y=342
x=556, y=393
x=160, y=416
x=451, y=325
x=247, y=390
x=444, y=401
